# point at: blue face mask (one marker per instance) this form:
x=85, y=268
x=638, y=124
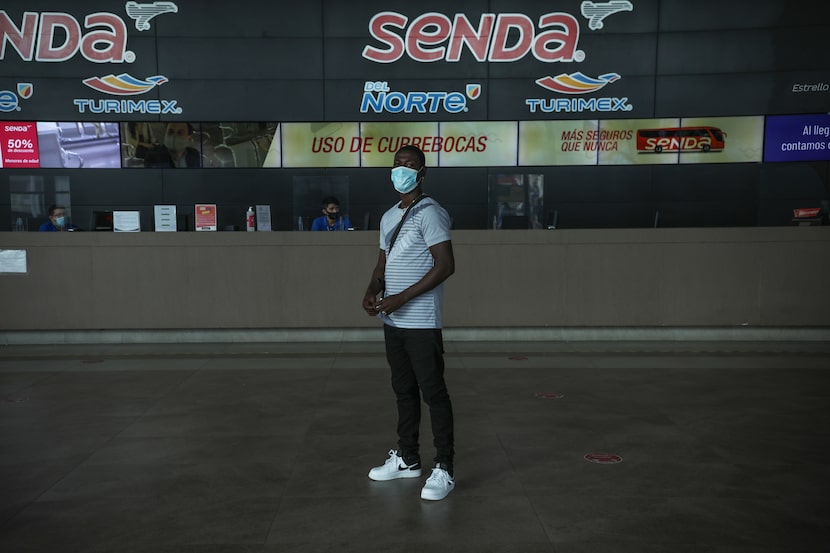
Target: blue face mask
x=60, y=221
x=404, y=179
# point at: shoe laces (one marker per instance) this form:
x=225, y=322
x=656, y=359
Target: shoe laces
x=440, y=477
x=393, y=458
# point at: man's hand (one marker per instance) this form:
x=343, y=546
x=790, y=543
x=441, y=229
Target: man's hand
x=390, y=304
x=370, y=304
x=370, y=299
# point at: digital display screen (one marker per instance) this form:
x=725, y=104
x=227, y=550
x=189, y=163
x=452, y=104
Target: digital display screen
x=191, y=145
x=79, y=145
x=797, y=138
x=18, y=145
x=85, y=145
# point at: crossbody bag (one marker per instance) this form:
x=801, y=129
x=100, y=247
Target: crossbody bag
x=395, y=237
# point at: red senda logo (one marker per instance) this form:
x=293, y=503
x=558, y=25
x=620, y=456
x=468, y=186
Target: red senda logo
x=57, y=37
x=504, y=37
x=681, y=139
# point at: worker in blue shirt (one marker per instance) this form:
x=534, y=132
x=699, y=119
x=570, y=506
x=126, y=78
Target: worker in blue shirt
x=58, y=221
x=331, y=218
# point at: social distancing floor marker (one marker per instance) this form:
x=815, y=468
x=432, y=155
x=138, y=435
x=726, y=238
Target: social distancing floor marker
x=549, y=395
x=603, y=458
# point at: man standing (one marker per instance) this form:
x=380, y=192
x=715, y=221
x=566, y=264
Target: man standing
x=406, y=291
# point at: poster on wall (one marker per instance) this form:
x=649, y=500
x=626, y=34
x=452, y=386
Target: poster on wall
x=797, y=138
x=18, y=145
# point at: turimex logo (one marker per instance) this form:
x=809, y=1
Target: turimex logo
x=379, y=98
x=124, y=84
x=576, y=83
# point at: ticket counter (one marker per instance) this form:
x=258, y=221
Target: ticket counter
x=724, y=277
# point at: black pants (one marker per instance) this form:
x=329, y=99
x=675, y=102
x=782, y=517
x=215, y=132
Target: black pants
x=416, y=357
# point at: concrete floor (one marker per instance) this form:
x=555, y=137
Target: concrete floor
x=265, y=447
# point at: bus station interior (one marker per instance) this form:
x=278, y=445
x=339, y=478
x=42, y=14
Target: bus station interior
x=637, y=345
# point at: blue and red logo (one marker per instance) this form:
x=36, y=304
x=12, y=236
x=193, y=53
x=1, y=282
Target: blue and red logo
x=378, y=97
x=9, y=101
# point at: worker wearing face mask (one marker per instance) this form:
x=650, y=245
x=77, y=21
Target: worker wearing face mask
x=58, y=221
x=178, y=148
x=331, y=219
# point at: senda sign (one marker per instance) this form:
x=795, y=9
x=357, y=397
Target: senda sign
x=57, y=37
x=435, y=37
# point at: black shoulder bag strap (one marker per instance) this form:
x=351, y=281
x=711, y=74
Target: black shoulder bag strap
x=403, y=219
x=395, y=236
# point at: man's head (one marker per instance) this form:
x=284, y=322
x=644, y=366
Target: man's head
x=178, y=136
x=57, y=214
x=331, y=207
x=408, y=169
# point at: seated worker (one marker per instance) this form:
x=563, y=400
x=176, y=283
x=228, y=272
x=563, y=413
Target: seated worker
x=57, y=220
x=331, y=218
x=177, y=150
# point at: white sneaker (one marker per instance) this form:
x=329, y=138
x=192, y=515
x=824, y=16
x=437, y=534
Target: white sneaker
x=438, y=486
x=394, y=467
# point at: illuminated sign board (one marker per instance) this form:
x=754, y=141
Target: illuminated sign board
x=18, y=145
x=797, y=138
x=492, y=38
x=101, y=37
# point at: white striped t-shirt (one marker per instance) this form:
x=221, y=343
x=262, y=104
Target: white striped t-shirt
x=427, y=224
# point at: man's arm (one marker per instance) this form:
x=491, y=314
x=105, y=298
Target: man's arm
x=375, y=286
x=443, y=266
